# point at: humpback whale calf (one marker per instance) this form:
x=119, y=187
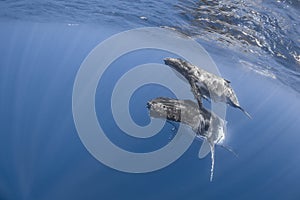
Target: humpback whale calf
x=205, y=84
x=207, y=125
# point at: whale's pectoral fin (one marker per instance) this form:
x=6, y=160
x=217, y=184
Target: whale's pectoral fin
x=196, y=92
x=212, y=148
x=204, y=149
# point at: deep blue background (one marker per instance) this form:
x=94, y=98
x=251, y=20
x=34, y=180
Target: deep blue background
x=42, y=157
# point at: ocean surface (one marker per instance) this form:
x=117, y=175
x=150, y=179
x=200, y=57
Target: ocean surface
x=255, y=45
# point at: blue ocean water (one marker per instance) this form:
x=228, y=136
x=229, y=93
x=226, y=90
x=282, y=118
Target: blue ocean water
x=42, y=45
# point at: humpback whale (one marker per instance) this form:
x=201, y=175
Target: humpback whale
x=205, y=84
x=207, y=125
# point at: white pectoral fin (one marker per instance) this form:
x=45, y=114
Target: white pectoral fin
x=204, y=149
x=212, y=162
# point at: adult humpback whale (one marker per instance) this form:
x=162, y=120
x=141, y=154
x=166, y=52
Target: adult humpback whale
x=205, y=84
x=207, y=125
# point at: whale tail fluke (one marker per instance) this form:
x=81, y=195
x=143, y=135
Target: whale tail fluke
x=244, y=111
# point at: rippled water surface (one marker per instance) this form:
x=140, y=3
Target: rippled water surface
x=266, y=33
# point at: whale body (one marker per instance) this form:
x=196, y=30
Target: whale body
x=205, y=84
x=207, y=125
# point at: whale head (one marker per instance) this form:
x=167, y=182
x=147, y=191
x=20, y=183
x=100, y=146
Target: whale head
x=179, y=65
